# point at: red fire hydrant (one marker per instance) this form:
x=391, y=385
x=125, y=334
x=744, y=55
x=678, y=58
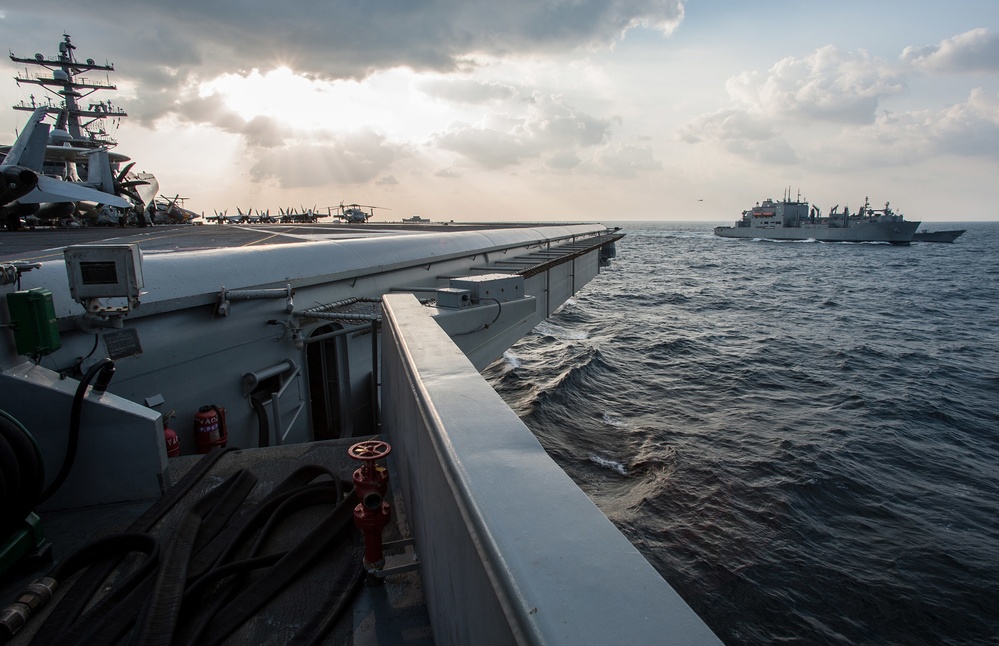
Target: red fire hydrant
x=371, y=514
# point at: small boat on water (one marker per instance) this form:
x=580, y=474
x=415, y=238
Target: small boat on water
x=795, y=219
x=937, y=236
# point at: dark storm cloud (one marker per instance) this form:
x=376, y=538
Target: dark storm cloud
x=164, y=50
x=338, y=39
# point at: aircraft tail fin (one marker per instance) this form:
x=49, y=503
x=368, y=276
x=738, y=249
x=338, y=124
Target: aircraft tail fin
x=99, y=174
x=28, y=150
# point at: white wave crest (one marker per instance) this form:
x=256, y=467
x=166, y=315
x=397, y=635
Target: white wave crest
x=547, y=328
x=608, y=464
x=511, y=358
x=613, y=419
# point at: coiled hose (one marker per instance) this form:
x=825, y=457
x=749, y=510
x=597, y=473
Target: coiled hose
x=213, y=574
x=22, y=474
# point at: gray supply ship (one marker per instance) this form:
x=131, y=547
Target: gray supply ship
x=795, y=220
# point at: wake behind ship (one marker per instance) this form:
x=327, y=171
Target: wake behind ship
x=795, y=220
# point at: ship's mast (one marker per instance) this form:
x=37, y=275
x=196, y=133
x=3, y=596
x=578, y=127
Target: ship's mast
x=65, y=85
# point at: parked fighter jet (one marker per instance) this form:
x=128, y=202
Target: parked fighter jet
x=25, y=188
x=292, y=216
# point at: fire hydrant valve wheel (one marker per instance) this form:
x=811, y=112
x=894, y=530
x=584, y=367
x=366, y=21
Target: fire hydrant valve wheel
x=371, y=514
x=370, y=450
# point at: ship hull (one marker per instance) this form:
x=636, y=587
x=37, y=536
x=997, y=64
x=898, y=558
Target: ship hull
x=891, y=232
x=937, y=236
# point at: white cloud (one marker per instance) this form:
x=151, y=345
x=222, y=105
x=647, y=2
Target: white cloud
x=741, y=133
x=976, y=50
x=548, y=125
x=625, y=160
x=791, y=114
x=969, y=128
x=828, y=85
x=563, y=160
x=448, y=173
x=353, y=158
x=728, y=124
x=466, y=90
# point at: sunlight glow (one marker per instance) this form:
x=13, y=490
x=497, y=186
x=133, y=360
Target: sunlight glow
x=387, y=102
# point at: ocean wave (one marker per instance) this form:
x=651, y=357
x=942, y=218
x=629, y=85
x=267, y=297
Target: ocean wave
x=614, y=419
x=556, y=331
x=800, y=437
x=607, y=463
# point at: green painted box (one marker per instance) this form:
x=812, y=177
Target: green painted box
x=33, y=321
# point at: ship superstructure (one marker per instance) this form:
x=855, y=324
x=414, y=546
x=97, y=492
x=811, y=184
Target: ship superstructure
x=78, y=123
x=81, y=135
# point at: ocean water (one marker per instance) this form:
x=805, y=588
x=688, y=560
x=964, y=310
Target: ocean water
x=802, y=438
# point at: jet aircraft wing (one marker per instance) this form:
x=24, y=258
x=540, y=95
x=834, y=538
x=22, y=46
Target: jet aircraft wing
x=56, y=190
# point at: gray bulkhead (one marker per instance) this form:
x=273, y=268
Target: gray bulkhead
x=191, y=355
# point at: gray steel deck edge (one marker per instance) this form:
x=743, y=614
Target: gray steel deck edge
x=511, y=549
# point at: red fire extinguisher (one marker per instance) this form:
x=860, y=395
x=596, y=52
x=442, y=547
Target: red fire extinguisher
x=172, y=441
x=209, y=428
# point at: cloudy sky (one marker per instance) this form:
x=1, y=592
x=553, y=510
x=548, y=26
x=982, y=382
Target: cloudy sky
x=544, y=109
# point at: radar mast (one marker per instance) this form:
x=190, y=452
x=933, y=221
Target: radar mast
x=85, y=125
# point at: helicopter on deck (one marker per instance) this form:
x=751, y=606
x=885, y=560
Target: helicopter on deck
x=170, y=210
x=354, y=213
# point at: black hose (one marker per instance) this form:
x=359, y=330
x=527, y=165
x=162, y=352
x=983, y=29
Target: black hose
x=171, y=597
x=93, y=579
x=22, y=473
x=106, y=369
x=66, y=613
x=344, y=585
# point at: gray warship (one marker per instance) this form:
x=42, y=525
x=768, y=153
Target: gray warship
x=795, y=219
